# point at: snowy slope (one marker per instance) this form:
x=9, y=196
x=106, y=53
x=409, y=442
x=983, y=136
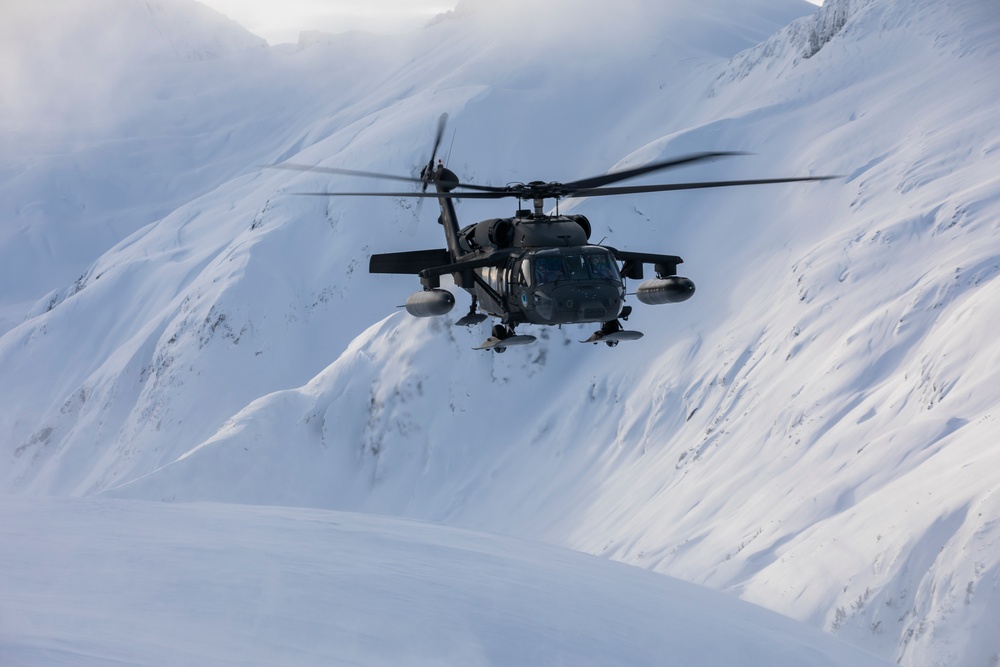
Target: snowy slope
x=92, y=147
x=115, y=582
x=813, y=431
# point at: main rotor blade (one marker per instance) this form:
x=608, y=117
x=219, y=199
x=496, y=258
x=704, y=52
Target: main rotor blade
x=607, y=179
x=417, y=195
x=442, y=121
x=637, y=189
x=591, y=192
x=345, y=172
x=373, y=174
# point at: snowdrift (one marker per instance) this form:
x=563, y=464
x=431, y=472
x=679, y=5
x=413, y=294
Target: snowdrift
x=151, y=584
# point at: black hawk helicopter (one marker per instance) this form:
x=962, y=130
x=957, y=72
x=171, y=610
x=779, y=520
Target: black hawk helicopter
x=533, y=267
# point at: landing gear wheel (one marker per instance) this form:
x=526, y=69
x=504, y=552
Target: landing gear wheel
x=501, y=332
x=611, y=333
x=504, y=336
x=609, y=327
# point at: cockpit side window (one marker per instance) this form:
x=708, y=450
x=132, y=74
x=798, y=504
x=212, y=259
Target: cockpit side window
x=601, y=266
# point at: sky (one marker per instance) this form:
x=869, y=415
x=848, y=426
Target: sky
x=280, y=21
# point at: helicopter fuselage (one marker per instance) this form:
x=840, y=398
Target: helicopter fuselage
x=553, y=277
x=574, y=284
x=532, y=269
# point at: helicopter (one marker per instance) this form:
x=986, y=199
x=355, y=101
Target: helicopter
x=534, y=267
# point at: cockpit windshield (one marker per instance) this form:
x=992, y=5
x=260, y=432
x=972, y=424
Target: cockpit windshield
x=549, y=269
x=582, y=266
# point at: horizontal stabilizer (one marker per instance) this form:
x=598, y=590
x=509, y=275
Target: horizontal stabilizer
x=645, y=257
x=410, y=263
x=666, y=265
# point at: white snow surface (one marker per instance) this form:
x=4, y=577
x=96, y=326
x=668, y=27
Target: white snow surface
x=112, y=582
x=814, y=432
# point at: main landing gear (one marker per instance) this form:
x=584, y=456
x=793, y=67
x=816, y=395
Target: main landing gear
x=472, y=317
x=611, y=332
x=503, y=336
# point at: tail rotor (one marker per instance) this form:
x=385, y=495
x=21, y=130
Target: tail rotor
x=427, y=174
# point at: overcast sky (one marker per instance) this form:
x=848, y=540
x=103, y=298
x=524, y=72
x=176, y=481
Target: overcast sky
x=280, y=21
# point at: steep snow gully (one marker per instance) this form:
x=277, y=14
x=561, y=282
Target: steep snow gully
x=814, y=432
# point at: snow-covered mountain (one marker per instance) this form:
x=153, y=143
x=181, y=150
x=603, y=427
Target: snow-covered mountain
x=813, y=431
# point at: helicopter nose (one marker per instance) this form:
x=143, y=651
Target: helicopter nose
x=587, y=303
